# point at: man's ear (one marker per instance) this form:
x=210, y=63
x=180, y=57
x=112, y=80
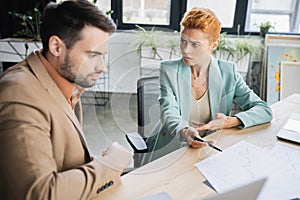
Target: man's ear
x=56, y=46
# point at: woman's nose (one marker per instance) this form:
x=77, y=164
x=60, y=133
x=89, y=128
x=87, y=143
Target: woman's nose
x=186, y=49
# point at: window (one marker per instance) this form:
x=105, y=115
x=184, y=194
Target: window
x=154, y=12
x=159, y=13
x=284, y=16
x=236, y=16
x=224, y=11
x=104, y=5
x=243, y=17
x=229, y=12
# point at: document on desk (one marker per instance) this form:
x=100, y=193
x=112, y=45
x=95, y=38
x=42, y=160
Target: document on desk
x=237, y=165
x=244, y=162
x=285, y=182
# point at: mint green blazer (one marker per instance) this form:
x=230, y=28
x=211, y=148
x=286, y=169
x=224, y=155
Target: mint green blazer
x=226, y=87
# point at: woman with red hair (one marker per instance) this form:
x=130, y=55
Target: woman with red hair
x=198, y=90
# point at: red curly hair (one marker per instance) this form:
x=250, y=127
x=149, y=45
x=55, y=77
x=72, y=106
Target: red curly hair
x=203, y=19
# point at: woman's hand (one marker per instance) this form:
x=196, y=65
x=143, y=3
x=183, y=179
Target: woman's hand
x=221, y=121
x=188, y=132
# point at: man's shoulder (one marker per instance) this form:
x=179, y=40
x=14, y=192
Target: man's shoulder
x=18, y=78
x=16, y=73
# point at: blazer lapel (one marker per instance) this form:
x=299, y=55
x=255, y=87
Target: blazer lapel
x=215, y=87
x=184, y=87
x=52, y=89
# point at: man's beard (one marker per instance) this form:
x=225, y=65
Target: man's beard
x=66, y=71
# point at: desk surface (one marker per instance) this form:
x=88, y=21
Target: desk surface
x=176, y=174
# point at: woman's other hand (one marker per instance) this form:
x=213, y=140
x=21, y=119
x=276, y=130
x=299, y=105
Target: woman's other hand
x=221, y=121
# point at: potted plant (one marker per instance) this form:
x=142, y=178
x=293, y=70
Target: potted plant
x=235, y=49
x=264, y=28
x=156, y=39
x=30, y=23
x=154, y=45
x=239, y=50
x=148, y=39
x=29, y=33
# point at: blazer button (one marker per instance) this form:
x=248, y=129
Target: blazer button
x=110, y=183
x=106, y=185
x=100, y=189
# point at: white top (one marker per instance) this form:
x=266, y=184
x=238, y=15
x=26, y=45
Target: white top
x=200, y=110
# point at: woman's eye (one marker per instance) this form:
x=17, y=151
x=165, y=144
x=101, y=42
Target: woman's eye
x=183, y=41
x=195, y=44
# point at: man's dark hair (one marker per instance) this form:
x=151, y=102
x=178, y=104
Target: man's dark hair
x=67, y=19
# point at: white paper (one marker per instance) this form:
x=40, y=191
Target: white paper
x=244, y=162
x=293, y=125
x=235, y=166
x=285, y=182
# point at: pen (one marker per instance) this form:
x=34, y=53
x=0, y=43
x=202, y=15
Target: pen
x=200, y=140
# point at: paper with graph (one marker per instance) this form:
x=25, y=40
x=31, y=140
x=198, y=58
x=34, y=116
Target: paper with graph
x=285, y=182
x=244, y=162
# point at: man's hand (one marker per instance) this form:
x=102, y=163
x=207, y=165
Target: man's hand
x=117, y=156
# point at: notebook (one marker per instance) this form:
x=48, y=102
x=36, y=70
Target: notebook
x=291, y=130
x=249, y=191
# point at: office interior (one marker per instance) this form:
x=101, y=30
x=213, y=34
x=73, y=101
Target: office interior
x=111, y=106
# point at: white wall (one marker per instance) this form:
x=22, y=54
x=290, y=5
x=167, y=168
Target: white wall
x=124, y=63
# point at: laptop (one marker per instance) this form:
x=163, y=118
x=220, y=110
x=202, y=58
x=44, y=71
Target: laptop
x=249, y=191
x=290, y=131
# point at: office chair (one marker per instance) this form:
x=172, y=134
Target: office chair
x=152, y=140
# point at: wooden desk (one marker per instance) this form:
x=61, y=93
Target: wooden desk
x=176, y=174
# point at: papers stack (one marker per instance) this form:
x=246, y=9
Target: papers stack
x=243, y=163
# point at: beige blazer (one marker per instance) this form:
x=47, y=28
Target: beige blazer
x=43, y=152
